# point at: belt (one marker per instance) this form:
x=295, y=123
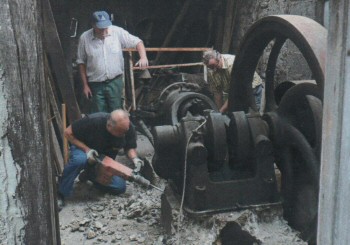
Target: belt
x=108, y=80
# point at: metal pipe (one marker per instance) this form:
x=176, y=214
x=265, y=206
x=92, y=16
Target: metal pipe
x=169, y=49
x=168, y=66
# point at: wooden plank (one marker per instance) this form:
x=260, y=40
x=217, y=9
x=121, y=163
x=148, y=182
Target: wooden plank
x=334, y=198
x=65, y=141
x=57, y=153
x=53, y=101
x=53, y=104
x=132, y=82
x=174, y=29
x=58, y=64
x=231, y=9
x=51, y=81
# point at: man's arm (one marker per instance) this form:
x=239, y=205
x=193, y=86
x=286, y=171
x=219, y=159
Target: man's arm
x=83, y=75
x=224, y=107
x=68, y=133
x=143, y=62
x=218, y=99
x=137, y=161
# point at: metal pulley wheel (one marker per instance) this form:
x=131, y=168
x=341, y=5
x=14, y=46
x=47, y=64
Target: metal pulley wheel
x=178, y=99
x=295, y=123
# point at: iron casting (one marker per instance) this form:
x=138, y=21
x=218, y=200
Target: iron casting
x=224, y=162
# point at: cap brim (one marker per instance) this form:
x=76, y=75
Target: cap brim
x=103, y=24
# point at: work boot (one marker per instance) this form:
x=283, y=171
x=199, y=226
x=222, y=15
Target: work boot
x=83, y=176
x=60, y=201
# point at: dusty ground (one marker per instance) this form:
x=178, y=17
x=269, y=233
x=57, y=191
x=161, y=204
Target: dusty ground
x=92, y=217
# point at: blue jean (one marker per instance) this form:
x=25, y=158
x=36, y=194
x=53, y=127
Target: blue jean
x=77, y=162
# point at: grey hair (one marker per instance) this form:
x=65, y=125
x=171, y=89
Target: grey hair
x=210, y=54
x=120, y=114
x=111, y=122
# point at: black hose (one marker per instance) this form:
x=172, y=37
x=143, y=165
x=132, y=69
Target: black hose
x=146, y=131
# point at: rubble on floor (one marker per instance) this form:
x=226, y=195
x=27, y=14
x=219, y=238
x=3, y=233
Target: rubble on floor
x=92, y=217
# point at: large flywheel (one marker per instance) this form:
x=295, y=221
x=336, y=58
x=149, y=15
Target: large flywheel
x=294, y=123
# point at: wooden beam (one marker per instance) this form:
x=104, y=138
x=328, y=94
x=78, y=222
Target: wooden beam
x=57, y=60
x=51, y=82
x=231, y=9
x=65, y=141
x=334, y=198
x=27, y=199
x=53, y=100
x=57, y=153
x=174, y=29
x=132, y=82
x=56, y=114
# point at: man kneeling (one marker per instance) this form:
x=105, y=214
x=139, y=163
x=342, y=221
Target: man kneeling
x=98, y=133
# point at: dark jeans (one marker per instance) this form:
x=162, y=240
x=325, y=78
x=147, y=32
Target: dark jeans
x=257, y=91
x=107, y=96
x=77, y=162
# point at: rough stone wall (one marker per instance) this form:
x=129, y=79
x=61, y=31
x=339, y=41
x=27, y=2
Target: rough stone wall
x=291, y=64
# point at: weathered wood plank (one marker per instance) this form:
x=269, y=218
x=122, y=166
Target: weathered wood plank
x=57, y=152
x=56, y=114
x=58, y=64
x=172, y=32
x=231, y=9
x=27, y=200
x=334, y=198
x=52, y=96
x=51, y=81
x=65, y=141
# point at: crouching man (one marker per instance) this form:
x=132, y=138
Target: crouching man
x=98, y=133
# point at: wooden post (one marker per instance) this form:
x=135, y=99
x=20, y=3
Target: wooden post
x=58, y=62
x=231, y=10
x=27, y=201
x=177, y=23
x=65, y=141
x=132, y=82
x=334, y=198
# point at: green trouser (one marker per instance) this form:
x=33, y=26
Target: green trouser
x=107, y=95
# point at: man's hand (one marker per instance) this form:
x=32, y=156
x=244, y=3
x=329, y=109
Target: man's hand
x=138, y=164
x=142, y=63
x=90, y=155
x=87, y=92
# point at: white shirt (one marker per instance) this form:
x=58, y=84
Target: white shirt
x=104, y=58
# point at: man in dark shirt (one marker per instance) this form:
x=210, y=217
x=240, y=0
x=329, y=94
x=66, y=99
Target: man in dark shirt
x=98, y=133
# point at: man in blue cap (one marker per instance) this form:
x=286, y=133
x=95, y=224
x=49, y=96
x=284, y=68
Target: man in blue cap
x=101, y=63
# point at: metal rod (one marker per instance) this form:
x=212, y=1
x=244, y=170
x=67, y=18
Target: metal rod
x=169, y=49
x=168, y=66
x=155, y=187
